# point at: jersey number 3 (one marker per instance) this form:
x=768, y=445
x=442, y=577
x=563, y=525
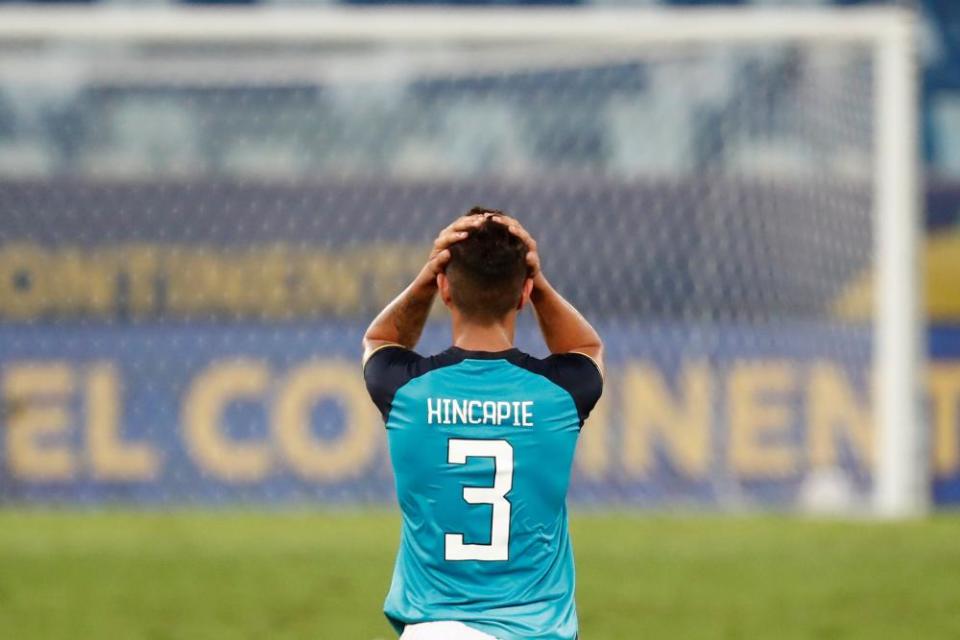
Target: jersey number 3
x=502, y=454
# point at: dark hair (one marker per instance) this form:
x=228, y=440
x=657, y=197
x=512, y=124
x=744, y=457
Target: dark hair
x=487, y=270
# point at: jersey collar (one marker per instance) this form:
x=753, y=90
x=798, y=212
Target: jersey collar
x=506, y=354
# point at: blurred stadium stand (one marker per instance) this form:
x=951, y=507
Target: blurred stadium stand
x=68, y=117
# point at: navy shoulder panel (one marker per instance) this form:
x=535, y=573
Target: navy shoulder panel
x=391, y=367
x=576, y=373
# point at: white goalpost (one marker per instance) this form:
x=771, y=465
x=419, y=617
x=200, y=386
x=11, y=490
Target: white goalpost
x=549, y=38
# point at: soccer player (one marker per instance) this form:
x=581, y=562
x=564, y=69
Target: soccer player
x=482, y=438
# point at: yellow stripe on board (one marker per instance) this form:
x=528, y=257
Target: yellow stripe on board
x=942, y=269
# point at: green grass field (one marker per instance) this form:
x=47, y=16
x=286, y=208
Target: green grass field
x=122, y=575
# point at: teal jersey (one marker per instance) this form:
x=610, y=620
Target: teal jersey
x=482, y=446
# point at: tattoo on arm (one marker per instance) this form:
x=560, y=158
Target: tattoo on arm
x=409, y=317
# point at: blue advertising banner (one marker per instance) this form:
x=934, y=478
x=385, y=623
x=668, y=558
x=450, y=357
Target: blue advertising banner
x=200, y=343
x=944, y=413
x=210, y=415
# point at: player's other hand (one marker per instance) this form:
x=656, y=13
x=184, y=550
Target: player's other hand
x=533, y=257
x=453, y=233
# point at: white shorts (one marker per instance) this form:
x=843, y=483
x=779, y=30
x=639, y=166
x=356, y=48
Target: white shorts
x=442, y=631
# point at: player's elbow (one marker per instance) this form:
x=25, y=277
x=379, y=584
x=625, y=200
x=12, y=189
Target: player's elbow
x=376, y=337
x=592, y=348
x=596, y=352
x=371, y=340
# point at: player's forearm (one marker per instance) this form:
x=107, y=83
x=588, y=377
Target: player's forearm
x=564, y=329
x=401, y=322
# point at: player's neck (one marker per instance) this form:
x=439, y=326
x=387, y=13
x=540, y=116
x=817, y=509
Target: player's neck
x=481, y=337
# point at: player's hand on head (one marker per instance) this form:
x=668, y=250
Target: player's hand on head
x=533, y=256
x=456, y=231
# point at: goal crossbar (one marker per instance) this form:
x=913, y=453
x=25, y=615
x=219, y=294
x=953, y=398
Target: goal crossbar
x=629, y=26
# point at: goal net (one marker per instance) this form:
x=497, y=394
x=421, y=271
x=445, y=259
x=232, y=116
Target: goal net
x=201, y=210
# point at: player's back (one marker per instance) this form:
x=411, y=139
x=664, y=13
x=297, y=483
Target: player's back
x=482, y=446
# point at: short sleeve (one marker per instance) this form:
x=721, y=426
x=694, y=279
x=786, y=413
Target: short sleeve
x=580, y=375
x=385, y=371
